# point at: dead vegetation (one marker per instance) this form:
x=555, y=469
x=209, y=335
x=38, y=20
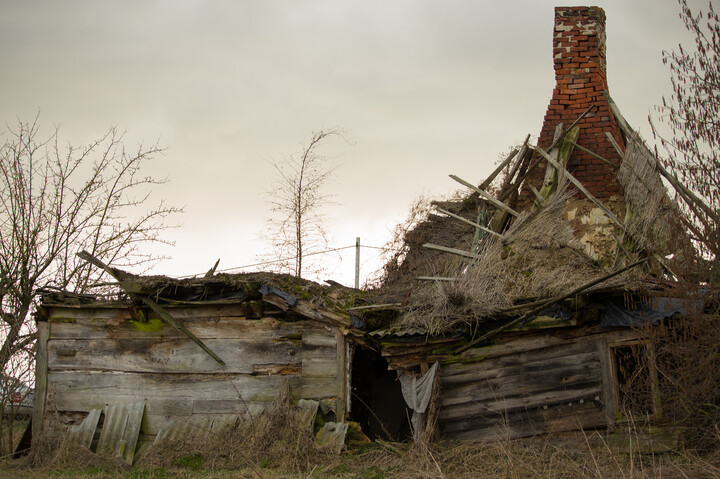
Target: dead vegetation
x=580, y=455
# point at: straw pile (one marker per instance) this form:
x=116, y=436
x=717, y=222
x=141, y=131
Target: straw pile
x=538, y=257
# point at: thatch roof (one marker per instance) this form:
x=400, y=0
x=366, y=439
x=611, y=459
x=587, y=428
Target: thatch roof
x=564, y=239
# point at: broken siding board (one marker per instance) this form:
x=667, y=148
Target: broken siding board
x=169, y=356
x=534, y=341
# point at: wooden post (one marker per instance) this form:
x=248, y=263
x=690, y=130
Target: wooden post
x=357, y=263
x=609, y=383
x=41, y=371
x=342, y=371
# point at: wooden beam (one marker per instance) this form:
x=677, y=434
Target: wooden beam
x=454, y=251
x=486, y=195
x=593, y=154
x=435, y=278
x=165, y=316
x=471, y=223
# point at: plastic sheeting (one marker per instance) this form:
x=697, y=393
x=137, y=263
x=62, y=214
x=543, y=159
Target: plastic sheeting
x=618, y=312
x=417, y=393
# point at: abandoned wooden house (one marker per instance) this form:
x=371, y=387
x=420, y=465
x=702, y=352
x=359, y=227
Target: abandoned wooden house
x=505, y=315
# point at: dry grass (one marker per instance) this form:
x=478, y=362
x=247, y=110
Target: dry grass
x=279, y=437
x=279, y=444
x=570, y=456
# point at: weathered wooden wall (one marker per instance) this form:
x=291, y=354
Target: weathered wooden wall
x=536, y=384
x=96, y=357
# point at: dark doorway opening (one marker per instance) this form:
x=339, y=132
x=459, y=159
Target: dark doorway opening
x=377, y=401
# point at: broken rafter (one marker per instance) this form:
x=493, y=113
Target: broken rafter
x=486, y=195
x=592, y=153
x=614, y=143
x=580, y=187
x=129, y=283
x=467, y=221
x=497, y=171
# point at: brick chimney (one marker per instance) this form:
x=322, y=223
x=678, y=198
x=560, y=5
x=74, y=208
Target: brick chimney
x=580, y=76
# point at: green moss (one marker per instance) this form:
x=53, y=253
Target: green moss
x=291, y=337
x=62, y=320
x=150, y=325
x=193, y=462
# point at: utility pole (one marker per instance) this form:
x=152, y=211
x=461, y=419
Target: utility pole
x=357, y=263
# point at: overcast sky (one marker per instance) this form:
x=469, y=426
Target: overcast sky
x=422, y=88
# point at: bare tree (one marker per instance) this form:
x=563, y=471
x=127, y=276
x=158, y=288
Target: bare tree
x=297, y=199
x=686, y=348
x=693, y=115
x=56, y=201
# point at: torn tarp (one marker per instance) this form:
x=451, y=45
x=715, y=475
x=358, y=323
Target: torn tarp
x=417, y=393
x=289, y=298
x=618, y=312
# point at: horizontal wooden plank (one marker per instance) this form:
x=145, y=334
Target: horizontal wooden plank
x=323, y=367
x=523, y=384
x=169, y=356
x=219, y=406
x=510, y=366
x=84, y=391
x=203, y=328
x=528, y=423
x=189, y=385
x=62, y=313
x=319, y=337
x=536, y=399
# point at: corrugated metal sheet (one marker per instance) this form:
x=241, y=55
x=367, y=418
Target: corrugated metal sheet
x=382, y=333
x=83, y=433
x=121, y=429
